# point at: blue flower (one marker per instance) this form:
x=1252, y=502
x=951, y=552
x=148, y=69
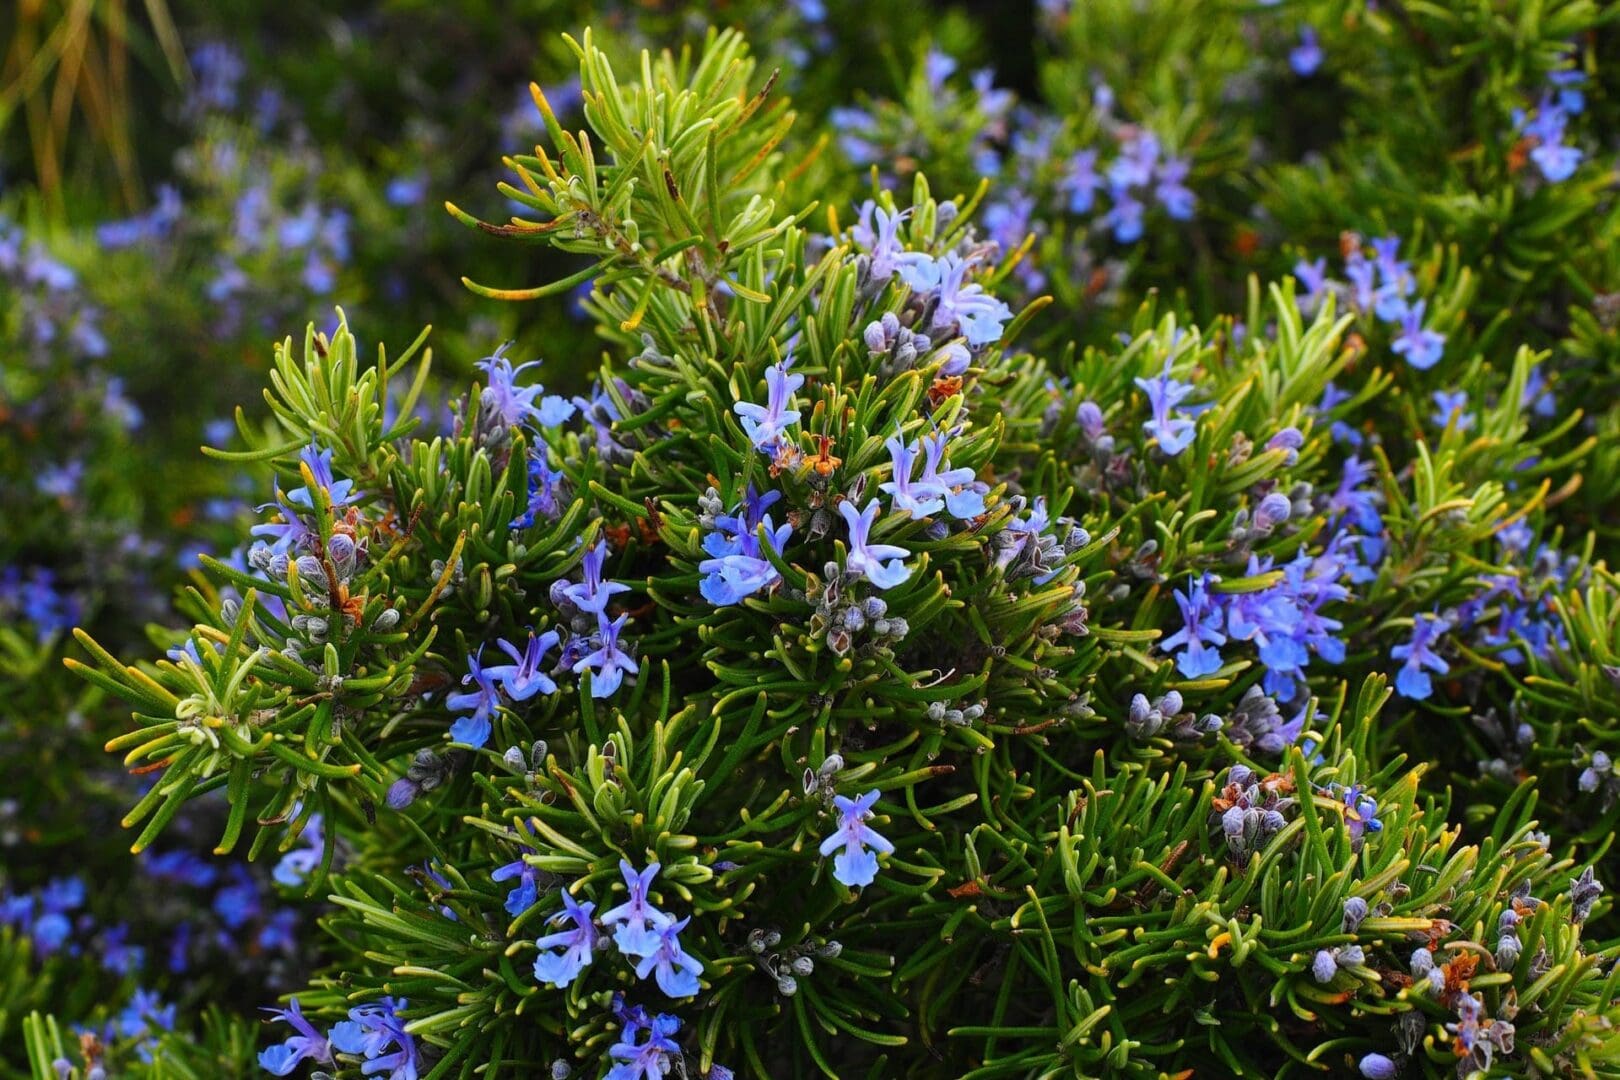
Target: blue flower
x=50, y=932
x=649, y=1060
x=608, y=663
x=1570, y=97
x=431, y=878
x=1395, y=280
x=855, y=126
x=180, y=949
x=962, y=306
x=1174, y=434
x=1332, y=398
x=1422, y=348
x=766, y=424
x=878, y=563
x=561, y=968
x=296, y=865
x=524, y=679
x=371, y=1031
x=1350, y=503
x=1176, y=198
x=1537, y=396
x=117, y=955
x=1124, y=217
x=1134, y=166
x=143, y=1018
x=878, y=231
x=1516, y=538
x=523, y=894
x=16, y=910
x=481, y=702
x=636, y=920
x=63, y=894
x=1081, y=181
x=1008, y=221
x=183, y=867
x=1413, y=681
x=1451, y=409
x=514, y=405
x=1306, y=57
x=1309, y=583
x=543, y=499
x=406, y=190
x=287, y=530
x=1360, y=814
x=1201, y=626
x=279, y=932
x=737, y=566
x=960, y=489
x=919, y=502
x=592, y=593
x=152, y=225
x=855, y=865
x=116, y=404
x=1557, y=161
x=1312, y=277
x=601, y=412
x=676, y=972
x=1363, y=279
x=239, y=901
x=306, y=1043
x=36, y=599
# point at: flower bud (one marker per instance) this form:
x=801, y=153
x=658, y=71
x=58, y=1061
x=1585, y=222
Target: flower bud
x=311, y=571
x=1377, y=1067
x=1273, y=510
x=1508, y=949
x=402, y=792
x=876, y=340
x=1355, y=910
x=954, y=359
x=1090, y=419
x=345, y=555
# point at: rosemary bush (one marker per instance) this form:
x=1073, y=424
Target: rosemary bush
x=1124, y=615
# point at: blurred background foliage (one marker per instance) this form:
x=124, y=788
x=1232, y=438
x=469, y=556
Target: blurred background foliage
x=182, y=183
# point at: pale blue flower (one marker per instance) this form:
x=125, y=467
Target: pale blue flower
x=856, y=863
